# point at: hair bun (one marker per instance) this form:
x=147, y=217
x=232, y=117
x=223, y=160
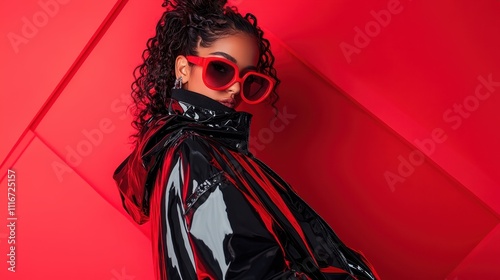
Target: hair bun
x=198, y=7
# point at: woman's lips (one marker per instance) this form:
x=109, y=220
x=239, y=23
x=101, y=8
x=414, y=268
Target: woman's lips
x=228, y=102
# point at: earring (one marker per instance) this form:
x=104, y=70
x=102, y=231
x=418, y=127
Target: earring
x=178, y=83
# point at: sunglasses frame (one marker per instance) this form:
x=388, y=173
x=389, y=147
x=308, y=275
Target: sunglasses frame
x=204, y=61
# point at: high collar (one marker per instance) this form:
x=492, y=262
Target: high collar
x=201, y=101
x=212, y=118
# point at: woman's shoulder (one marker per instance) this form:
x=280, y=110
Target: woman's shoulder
x=170, y=133
x=191, y=141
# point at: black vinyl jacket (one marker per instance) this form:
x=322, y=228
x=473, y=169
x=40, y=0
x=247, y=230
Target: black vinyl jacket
x=216, y=211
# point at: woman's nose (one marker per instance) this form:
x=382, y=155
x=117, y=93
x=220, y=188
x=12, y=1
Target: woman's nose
x=234, y=88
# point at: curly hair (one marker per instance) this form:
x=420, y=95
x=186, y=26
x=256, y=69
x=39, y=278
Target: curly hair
x=180, y=28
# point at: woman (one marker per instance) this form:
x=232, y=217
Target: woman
x=217, y=212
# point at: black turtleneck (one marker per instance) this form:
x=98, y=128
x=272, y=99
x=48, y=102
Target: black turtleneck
x=199, y=100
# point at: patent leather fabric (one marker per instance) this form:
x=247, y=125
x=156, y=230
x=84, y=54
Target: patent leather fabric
x=216, y=211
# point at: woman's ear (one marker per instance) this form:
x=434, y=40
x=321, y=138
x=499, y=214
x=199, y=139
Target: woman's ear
x=182, y=68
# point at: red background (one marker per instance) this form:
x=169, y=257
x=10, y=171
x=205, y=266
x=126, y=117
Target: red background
x=367, y=89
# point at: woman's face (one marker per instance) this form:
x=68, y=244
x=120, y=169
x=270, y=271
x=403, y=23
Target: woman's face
x=240, y=48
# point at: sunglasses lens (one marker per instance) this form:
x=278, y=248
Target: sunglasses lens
x=255, y=87
x=219, y=74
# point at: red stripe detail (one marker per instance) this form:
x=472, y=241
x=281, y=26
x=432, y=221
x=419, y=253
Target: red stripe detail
x=256, y=172
x=202, y=273
x=274, y=195
x=158, y=243
x=365, y=260
x=252, y=198
x=186, y=168
x=333, y=269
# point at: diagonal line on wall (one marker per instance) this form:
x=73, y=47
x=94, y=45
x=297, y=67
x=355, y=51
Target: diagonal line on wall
x=73, y=69
x=412, y=146
x=79, y=174
x=493, y=231
x=22, y=146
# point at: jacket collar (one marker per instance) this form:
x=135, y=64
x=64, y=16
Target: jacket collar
x=193, y=102
x=212, y=118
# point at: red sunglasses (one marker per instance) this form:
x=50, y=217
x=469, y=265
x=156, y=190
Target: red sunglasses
x=220, y=73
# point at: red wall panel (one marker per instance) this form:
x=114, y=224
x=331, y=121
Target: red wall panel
x=41, y=41
x=65, y=230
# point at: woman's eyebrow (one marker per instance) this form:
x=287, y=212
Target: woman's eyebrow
x=229, y=57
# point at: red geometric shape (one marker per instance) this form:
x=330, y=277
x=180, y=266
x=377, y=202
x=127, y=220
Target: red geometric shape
x=482, y=262
x=64, y=230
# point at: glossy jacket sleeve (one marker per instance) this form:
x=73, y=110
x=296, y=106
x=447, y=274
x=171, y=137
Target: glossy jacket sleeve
x=130, y=177
x=209, y=229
